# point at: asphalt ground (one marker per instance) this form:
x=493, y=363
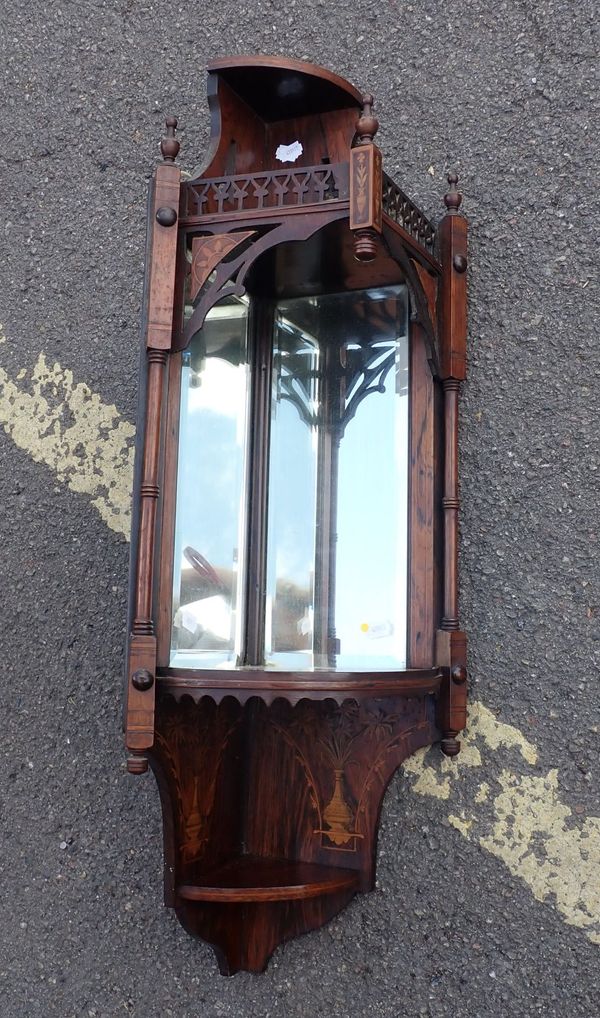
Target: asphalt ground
x=463, y=923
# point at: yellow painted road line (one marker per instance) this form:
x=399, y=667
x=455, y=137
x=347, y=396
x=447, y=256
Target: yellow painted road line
x=65, y=425
x=518, y=816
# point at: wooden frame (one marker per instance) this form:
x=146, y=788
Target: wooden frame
x=271, y=783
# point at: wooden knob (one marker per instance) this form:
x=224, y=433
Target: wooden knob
x=142, y=679
x=166, y=216
x=459, y=674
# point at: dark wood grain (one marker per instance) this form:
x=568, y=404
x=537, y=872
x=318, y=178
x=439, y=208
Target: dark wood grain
x=421, y=507
x=450, y=504
x=168, y=479
x=245, y=935
x=452, y=236
x=258, y=504
x=452, y=701
x=162, y=264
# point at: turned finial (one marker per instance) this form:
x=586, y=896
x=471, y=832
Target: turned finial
x=367, y=125
x=453, y=197
x=169, y=145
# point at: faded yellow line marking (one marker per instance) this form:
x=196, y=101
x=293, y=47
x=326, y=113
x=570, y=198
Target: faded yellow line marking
x=66, y=426
x=519, y=817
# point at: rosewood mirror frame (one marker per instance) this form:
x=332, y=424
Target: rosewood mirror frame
x=271, y=782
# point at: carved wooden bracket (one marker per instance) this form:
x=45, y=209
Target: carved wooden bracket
x=207, y=252
x=230, y=275
x=417, y=281
x=338, y=759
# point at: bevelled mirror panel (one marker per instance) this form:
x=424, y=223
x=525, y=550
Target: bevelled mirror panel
x=208, y=589
x=337, y=521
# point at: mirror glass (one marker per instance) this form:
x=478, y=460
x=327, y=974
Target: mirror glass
x=336, y=467
x=337, y=526
x=210, y=515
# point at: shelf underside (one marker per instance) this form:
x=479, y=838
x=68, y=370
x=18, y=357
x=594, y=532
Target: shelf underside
x=248, y=879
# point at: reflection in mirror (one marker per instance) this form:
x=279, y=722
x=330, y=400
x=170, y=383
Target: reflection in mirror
x=337, y=527
x=210, y=514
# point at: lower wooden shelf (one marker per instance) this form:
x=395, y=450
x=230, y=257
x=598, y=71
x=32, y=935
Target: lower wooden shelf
x=249, y=878
x=245, y=684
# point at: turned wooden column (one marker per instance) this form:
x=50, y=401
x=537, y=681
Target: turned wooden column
x=451, y=641
x=450, y=503
x=159, y=329
x=143, y=624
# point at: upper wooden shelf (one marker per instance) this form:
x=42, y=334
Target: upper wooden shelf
x=277, y=88
x=249, y=878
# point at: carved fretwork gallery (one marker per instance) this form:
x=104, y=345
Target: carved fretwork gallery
x=271, y=780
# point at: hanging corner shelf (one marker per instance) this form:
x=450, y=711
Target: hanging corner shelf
x=294, y=628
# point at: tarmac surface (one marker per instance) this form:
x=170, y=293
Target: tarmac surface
x=488, y=905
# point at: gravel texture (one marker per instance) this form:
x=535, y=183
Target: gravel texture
x=508, y=94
